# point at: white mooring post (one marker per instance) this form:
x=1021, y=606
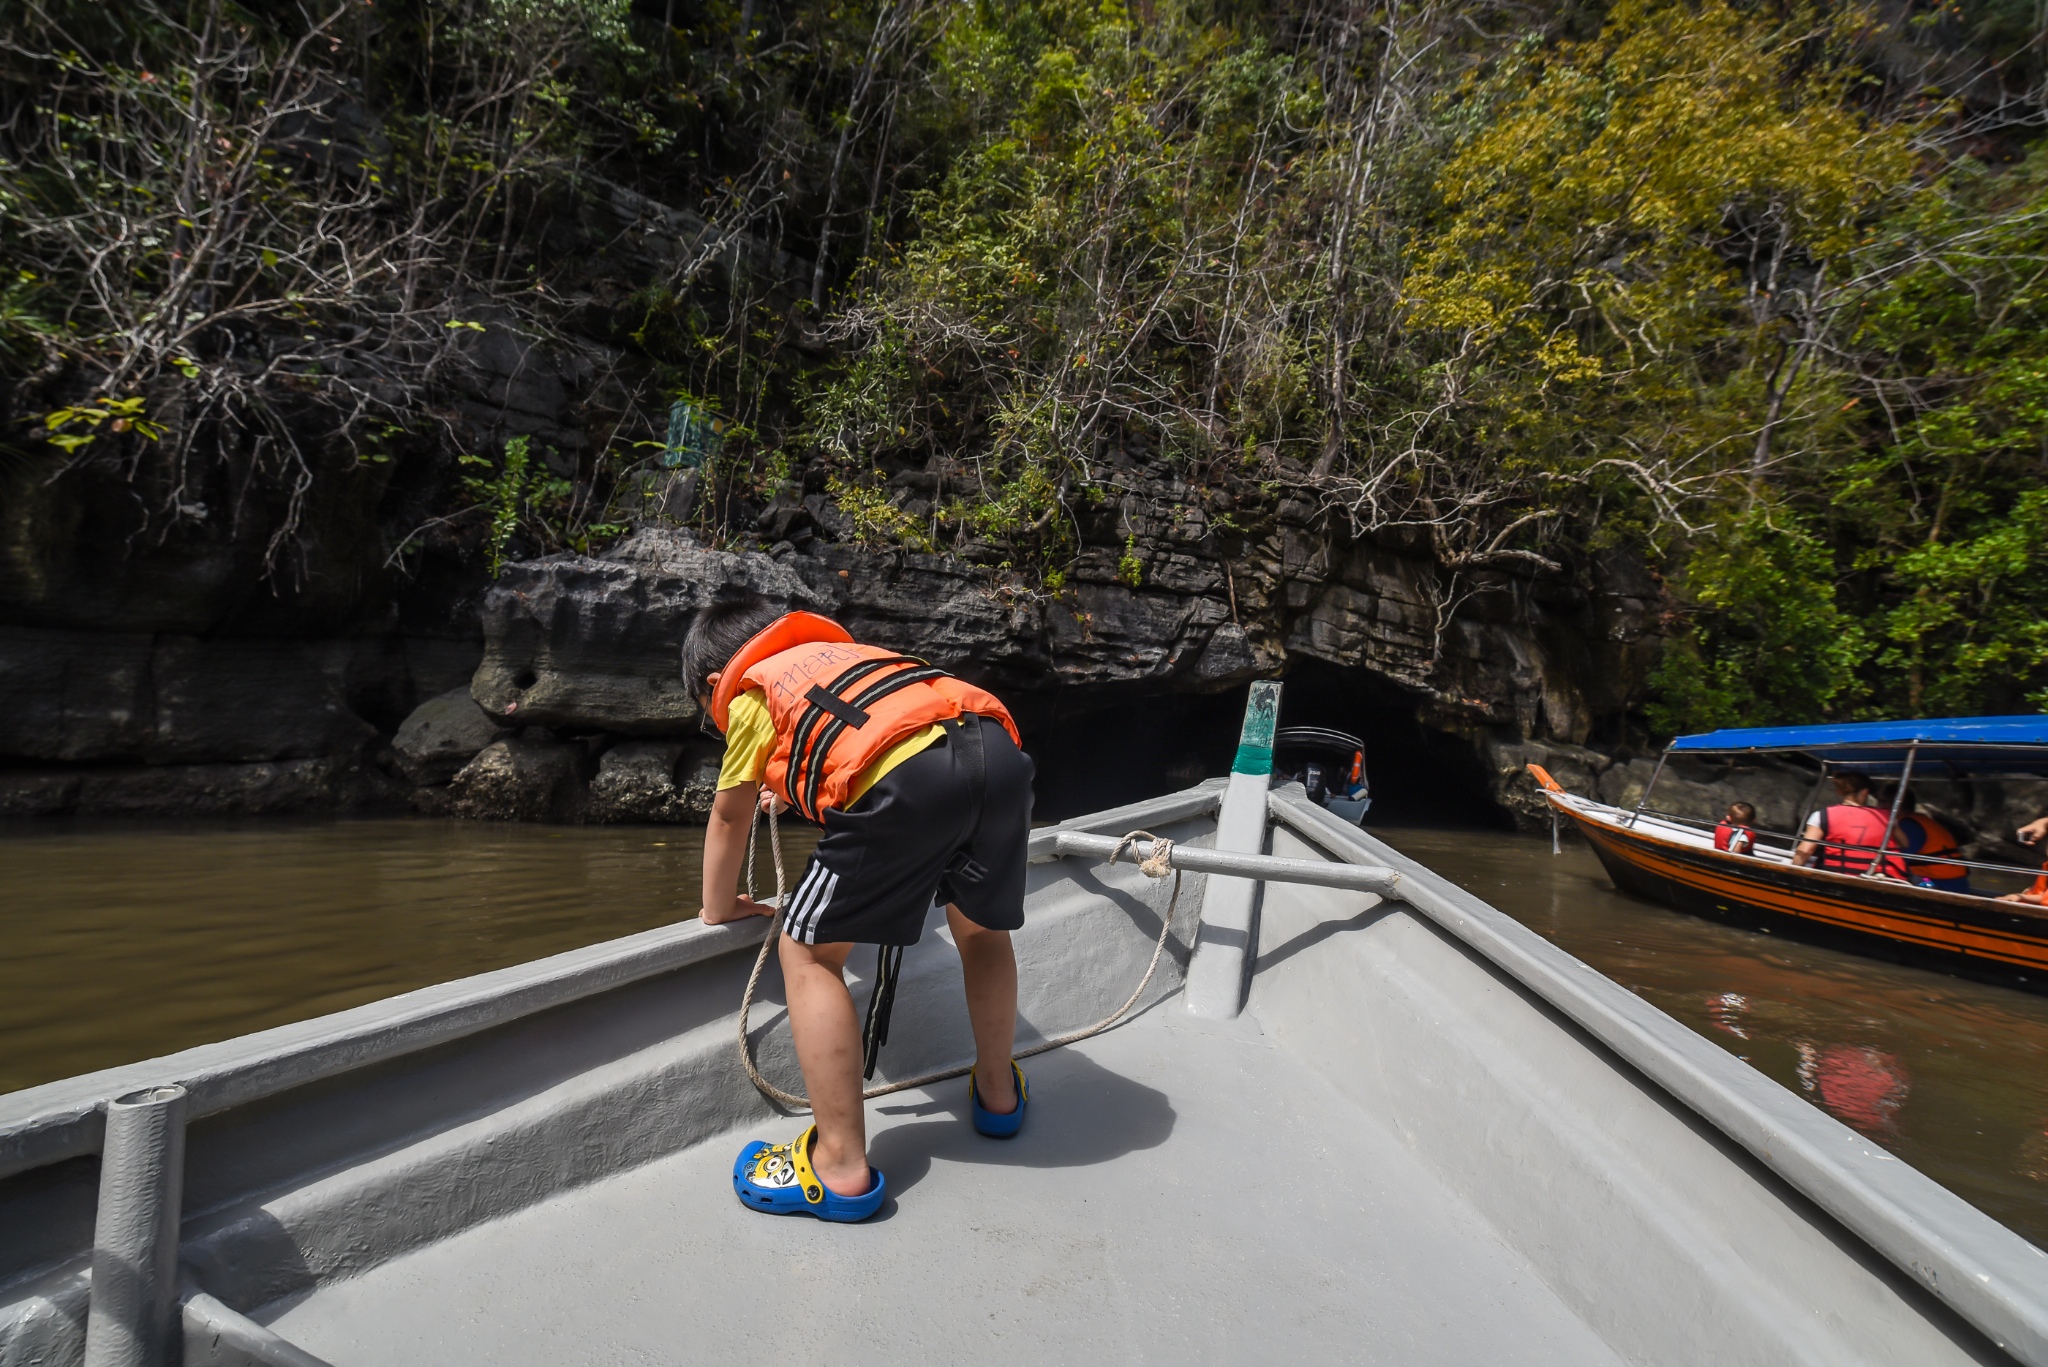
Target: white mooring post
x=131, y=1319
x=1228, y=942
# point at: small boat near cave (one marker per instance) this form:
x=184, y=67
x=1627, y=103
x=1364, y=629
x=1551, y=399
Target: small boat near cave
x=1671, y=858
x=1357, y=1115
x=1329, y=765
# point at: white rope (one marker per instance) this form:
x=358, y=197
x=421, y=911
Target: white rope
x=1157, y=864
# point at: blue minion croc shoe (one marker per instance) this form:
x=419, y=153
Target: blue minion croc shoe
x=987, y=1121
x=778, y=1179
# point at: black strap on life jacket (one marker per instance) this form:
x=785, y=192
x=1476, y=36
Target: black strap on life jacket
x=807, y=766
x=814, y=716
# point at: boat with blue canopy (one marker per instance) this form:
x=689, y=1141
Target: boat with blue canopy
x=1860, y=889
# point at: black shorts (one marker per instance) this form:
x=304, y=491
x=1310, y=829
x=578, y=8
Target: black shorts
x=913, y=839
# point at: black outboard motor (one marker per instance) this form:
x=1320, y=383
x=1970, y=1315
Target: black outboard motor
x=1312, y=779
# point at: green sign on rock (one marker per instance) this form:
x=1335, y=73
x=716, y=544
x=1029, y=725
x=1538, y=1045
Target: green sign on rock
x=694, y=435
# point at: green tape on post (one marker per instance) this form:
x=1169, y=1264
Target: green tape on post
x=1255, y=741
x=1253, y=759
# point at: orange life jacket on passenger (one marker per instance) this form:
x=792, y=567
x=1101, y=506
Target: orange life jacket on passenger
x=1856, y=826
x=837, y=705
x=1934, y=839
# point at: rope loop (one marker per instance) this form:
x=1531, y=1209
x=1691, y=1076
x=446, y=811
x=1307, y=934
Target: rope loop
x=1156, y=864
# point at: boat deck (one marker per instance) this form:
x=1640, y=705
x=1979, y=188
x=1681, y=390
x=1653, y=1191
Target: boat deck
x=1182, y=1191
x=1433, y=1138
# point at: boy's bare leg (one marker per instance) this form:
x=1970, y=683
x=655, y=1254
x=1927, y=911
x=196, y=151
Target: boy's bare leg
x=827, y=1034
x=990, y=967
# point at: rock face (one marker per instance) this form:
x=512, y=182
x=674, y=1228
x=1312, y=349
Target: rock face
x=655, y=781
x=591, y=643
x=521, y=779
x=73, y=696
x=442, y=735
x=272, y=788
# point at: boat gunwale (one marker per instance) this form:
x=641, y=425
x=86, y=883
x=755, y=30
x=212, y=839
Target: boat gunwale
x=1970, y=1262
x=66, y=1118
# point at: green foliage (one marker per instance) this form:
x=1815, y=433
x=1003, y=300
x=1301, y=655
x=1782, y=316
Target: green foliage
x=1717, y=286
x=1972, y=634
x=877, y=523
x=521, y=495
x=1765, y=640
x=1690, y=287
x=73, y=428
x=1130, y=570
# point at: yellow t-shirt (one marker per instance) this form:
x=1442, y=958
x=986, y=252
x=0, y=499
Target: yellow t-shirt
x=750, y=739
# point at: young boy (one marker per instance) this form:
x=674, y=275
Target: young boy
x=1734, y=834
x=925, y=796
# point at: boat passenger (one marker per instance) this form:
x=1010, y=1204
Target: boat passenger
x=1735, y=833
x=2035, y=832
x=1844, y=837
x=1924, y=836
x=924, y=792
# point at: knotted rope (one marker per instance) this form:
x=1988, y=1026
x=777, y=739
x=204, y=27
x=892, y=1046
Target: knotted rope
x=1157, y=864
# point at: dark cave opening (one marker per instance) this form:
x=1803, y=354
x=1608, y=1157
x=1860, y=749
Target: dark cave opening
x=1094, y=752
x=1419, y=776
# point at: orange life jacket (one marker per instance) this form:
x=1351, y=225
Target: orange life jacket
x=838, y=705
x=1856, y=826
x=1725, y=833
x=1934, y=839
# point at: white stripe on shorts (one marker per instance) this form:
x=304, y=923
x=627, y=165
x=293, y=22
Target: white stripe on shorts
x=803, y=888
x=798, y=899
x=819, y=904
x=821, y=898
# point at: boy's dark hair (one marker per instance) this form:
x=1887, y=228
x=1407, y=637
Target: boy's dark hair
x=1742, y=811
x=717, y=632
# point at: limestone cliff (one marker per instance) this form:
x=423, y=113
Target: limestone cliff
x=577, y=659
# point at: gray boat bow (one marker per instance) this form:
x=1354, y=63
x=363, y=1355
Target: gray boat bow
x=1431, y=1136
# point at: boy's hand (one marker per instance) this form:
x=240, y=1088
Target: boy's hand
x=772, y=804
x=742, y=907
x=725, y=851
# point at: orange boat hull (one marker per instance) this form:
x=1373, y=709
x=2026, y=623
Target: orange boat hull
x=1977, y=936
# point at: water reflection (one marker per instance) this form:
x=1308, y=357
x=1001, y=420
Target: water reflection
x=1861, y=1086
x=1950, y=1075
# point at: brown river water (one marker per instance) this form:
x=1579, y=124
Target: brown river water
x=127, y=942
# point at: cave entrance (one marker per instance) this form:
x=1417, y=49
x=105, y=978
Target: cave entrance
x=1419, y=776
x=1094, y=752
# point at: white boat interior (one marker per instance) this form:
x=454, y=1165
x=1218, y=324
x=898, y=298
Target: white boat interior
x=1378, y=1126
x=1697, y=835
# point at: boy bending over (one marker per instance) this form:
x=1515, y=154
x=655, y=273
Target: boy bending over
x=925, y=796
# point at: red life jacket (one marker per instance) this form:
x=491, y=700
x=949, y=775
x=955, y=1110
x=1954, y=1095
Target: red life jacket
x=837, y=705
x=1725, y=833
x=1935, y=839
x=1842, y=826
